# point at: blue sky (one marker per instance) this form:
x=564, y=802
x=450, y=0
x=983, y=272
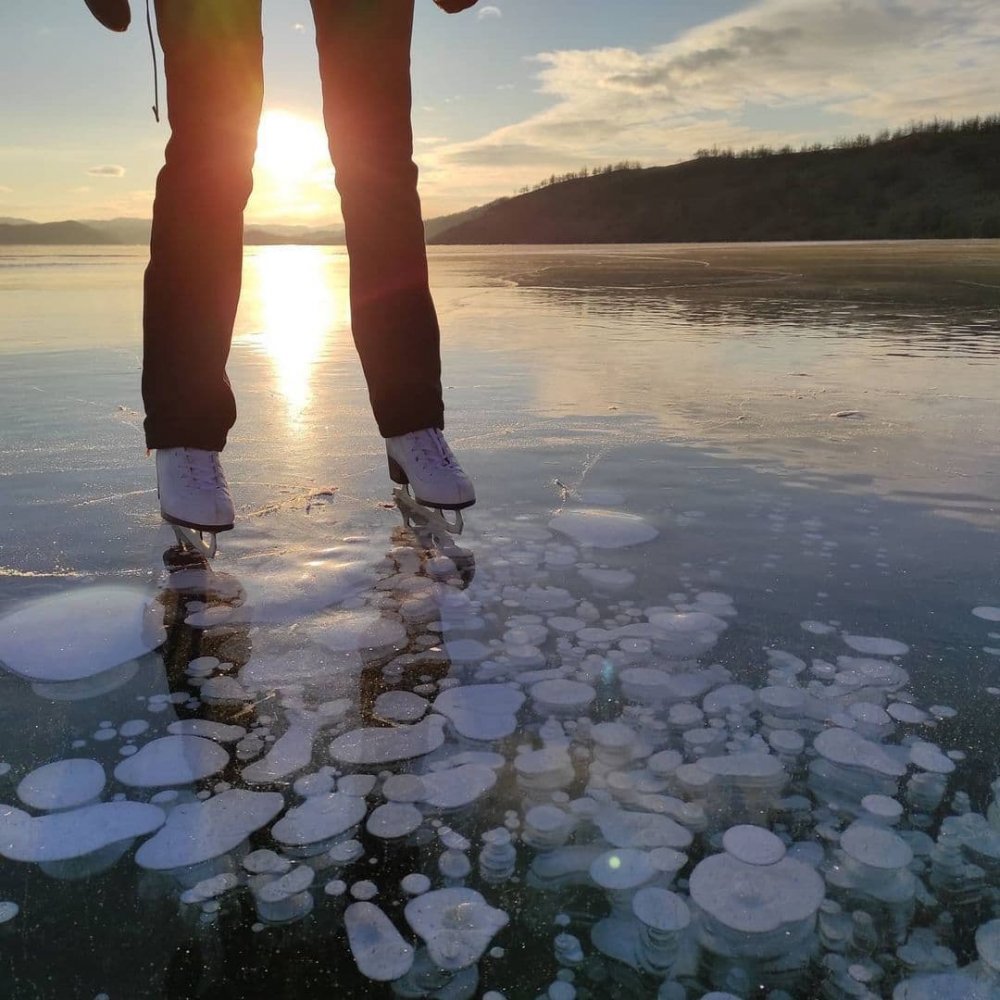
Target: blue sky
x=504, y=94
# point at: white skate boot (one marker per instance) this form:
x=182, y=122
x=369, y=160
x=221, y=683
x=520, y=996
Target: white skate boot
x=423, y=461
x=194, y=495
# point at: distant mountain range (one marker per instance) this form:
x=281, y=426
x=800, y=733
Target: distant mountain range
x=931, y=180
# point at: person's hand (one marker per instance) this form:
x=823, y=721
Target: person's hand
x=454, y=6
x=113, y=14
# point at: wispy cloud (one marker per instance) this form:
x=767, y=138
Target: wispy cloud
x=107, y=170
x=489, y=11
x=780, y=71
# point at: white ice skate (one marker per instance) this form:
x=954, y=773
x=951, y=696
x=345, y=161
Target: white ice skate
x=194, y=496
x=422, y=462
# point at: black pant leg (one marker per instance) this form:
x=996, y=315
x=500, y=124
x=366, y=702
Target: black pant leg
x=213, y=63
x=364, y=59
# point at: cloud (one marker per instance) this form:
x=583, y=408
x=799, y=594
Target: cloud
x=108, y=170
x=489, y=11
x=779, y=71
x=6, y=190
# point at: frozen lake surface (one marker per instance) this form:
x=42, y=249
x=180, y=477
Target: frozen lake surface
x=707, y=701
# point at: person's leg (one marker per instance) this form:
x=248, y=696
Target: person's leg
x=213, y=62
x=364, y=58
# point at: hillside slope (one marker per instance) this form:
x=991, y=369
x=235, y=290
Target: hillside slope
x=937, y=184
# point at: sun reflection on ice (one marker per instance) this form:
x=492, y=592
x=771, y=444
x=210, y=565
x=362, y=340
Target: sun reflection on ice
x=302, y=306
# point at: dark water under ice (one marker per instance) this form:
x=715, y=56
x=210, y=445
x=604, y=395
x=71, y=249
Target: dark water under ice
x=811, y=430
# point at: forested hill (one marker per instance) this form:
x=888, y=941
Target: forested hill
x=939, y=180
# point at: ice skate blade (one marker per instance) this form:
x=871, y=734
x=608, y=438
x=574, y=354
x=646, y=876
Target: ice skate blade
x=191, y=539
x=417, y=515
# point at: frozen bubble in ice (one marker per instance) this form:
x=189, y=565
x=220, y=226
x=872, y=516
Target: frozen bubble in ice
x=903, y=712
x=63, y=784
x=319, y=783
x=661, y=910
x=394, y=819
x=817, y=628
x=875, y=846
x=622, y=868
x=456, y=924
x=562, y=697
x=385, y=746
x=319, y=818
x=882, y=808
x=80, y=634
x=727, y=698
x=172, y=760
x=986, y=613
x=291, y=752
x=843, y=746
x=345, y=852
x=223, y=689
x=364, y=628
x=364, y=890
x=266, y=862
x=132, y=728
x=378, y=949
x=357, y=784
x=454, y=864
x=604, y=529
x=753, y=844
x=61, y=836
x=8, y=910
x=566, y=625
x=458, y=786
x=872, y=645
x=202, y=830
x=335, y=887
x=481, y=711
x=415, y=884
x=217, y=731
x=403, y=788
x=285, y=589
x=466, y=650
x=400, y=706
x=642, y=830
x=928, y=757
x=756, y=899
x=685, y=622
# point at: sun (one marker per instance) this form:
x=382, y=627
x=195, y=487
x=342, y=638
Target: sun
x=290, y=148
x=292, y=172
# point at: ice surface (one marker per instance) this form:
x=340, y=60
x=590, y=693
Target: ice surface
x=63, y=784
x=481, y=711
x=203, y=830
x=172, y=760
x=385, y=746
x=603, y=529
x=286, y=589
x=80, y=634
x=74, y=833
x=378, y=948
x=350, y=631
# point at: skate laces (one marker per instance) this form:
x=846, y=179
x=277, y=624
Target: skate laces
x=430, y=448
x=204, y=470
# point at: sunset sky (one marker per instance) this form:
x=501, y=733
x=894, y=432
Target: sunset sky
x=504, y=94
